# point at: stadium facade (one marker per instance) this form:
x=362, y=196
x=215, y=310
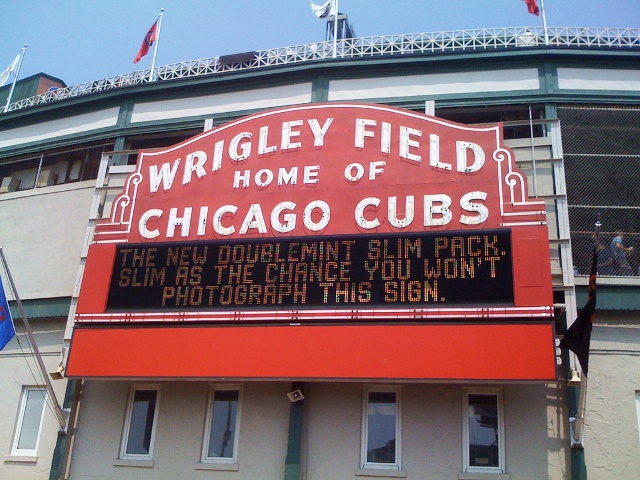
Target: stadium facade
x=224, y=261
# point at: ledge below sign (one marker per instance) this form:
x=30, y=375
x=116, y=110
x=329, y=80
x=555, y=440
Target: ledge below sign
x=413, y=314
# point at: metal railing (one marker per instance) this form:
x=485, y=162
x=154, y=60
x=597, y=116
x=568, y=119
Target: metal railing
x=389, y=45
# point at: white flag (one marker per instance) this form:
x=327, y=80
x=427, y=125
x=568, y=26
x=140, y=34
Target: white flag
x=4, y=76
x=327, y=9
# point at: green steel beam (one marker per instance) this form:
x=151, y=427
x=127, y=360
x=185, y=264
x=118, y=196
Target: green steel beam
x=292, y=466
x=612, y=297
x=42, y=308
x=578, y=465
x=57, y=462
x=320, y=89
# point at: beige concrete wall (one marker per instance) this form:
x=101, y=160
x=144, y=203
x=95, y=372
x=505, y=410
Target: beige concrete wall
x=434, y=84
x=70, y=125
x=42, y=236
x=611, y=437
x=431, y=432
x=15, y=359
x=262, y=447
x=254, y=99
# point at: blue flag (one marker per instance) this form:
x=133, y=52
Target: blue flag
x=7, y=330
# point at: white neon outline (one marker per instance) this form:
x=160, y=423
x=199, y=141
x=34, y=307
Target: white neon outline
x=125, y=203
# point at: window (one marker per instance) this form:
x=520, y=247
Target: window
x=483, y=432
x=221, y=432
x=515, y=117
x=140, y=424
x=51, y=168
x=381, y=428
x=30, y=415
x=156, y=141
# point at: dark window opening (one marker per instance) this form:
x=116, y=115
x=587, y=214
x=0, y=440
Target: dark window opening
x=50, y=168
x=162, y=140
x=516, y=118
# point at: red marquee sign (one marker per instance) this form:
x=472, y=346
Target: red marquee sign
x=323, y=212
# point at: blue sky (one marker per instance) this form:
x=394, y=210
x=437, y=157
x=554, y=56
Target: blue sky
x=83, y=40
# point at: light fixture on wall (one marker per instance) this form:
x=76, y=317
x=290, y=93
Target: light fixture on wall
x=574, y=381
x=295, y=396
x=58, y=374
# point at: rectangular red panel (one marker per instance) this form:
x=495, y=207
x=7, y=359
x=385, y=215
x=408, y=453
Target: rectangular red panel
x=96, y=278
x=531, y=266
x=509, y=352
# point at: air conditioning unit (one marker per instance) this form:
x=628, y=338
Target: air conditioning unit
x=47, y=178
x=9, y=184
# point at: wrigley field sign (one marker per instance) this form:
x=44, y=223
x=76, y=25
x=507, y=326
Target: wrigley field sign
x=323, y=212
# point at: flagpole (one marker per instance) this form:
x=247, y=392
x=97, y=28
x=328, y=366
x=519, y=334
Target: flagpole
x=579, y=424
x=60, y=415
x=580, y=414
x=155, y=49
x=15, y=78
x=544, y=23
x=335, y=30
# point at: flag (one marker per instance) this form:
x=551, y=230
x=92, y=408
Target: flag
x=7, y=330
x=532, y=5
x=148, y=41
x=578, y=337
x=325, y=10
x=4, y=76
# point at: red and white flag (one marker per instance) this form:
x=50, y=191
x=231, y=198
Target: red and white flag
x=148, y=41
x=532, y=5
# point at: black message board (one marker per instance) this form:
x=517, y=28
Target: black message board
x=343, y=272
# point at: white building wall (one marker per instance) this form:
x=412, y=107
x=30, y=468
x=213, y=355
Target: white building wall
x=73, y=125
x=598, y=79
x=432, y=419
x=434, y=84
x=432, y=422
x=264, y=425
x=611, y=436
x=42, y=235
x=258, y=98
x=18, y=369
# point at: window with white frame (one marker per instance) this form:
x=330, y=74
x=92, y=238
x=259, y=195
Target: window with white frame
x=140, y=423
x=381, y=428
x=29, y=424
x=483, y=432
x=223, y=419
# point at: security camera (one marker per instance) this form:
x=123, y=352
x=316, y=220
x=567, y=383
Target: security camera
x=58, y=374
x=295, y=396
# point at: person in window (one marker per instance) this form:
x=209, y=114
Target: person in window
x=620, y=252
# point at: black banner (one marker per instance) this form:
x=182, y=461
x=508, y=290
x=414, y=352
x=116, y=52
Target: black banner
x=366, y=271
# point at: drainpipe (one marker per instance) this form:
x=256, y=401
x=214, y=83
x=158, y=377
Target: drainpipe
x=62, y=453
x=578, y=465
x=292, y=464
